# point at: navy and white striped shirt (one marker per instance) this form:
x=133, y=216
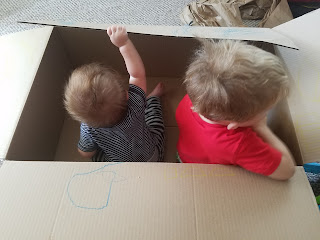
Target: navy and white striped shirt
x=128, y=141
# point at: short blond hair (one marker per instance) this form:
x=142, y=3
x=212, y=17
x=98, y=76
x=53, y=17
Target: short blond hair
x=95, y=95
x=234, y=81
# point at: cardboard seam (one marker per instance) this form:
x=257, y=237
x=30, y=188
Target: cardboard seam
x=64, y=48
x=51, y=237
x=66, y=53
x=194, y=204
x=294, y=128
x=288, y=105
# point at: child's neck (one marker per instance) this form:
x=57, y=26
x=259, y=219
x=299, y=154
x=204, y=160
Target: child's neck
x=210, y=121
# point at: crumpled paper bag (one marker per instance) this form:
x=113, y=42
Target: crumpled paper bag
x=231, y=13
x=254, y=9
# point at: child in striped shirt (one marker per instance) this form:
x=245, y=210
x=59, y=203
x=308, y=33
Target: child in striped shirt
x=116, y=124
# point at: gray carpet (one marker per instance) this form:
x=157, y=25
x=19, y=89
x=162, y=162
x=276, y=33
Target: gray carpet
x=152, y=12
x=96, y=11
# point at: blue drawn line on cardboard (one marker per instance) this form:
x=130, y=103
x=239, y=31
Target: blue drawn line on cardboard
x=94, y=171
x=65, y=23
x=223, y=32
x=229, y=32
x=185, y=29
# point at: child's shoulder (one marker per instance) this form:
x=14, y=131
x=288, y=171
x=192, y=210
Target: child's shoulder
x=135, y=90
x=185, y=102
x=136, y=100
x=240, y=136
x=250, y=140
x=244, y=132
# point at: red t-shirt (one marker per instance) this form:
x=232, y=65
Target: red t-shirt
x=202, y=142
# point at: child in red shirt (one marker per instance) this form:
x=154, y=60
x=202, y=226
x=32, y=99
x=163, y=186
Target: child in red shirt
x=222, y=120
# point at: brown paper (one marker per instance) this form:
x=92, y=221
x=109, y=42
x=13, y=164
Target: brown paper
x=232, y=13
x=254, y=10
x=280, y=14
x=212, y=13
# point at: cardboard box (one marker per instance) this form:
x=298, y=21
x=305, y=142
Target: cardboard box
x=45, y=132
x=42, y=131
x=69, y=200
x=72, y=200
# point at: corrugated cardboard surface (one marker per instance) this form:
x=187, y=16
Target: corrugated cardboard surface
x=38, y=130
x=253, y=34
x=20, y=56
x=50, y=200
x=280, y=122
x=304, y=67
x=162, y=56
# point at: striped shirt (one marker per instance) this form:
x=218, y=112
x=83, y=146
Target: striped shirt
x=128, y=141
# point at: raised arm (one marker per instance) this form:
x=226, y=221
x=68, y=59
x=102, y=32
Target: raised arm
x=119, y=37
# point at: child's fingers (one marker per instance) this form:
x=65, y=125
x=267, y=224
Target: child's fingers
x=123, y=29
x=114, y=29
x=109, y=31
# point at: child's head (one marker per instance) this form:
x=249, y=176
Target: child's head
x=233, y=81
x=95, y=95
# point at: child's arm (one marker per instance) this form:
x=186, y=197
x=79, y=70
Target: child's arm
x=86, y=146
x=286, y=168
x=87, y=154
x=119, y=37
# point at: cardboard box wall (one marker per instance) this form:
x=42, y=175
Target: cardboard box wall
x=142, y=201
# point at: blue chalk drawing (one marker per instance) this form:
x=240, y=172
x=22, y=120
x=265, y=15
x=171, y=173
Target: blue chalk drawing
x=224, y=33
x=183, y=30
x=186, y=29
x=99, y=170
x=230, y=32
x=65, y=23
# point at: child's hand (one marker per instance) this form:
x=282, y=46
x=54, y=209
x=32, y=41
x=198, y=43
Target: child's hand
x=118, y=35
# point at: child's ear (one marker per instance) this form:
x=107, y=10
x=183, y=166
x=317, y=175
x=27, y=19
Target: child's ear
x=232, y=125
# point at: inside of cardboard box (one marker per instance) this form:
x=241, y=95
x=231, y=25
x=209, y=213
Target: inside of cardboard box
x=46, y=132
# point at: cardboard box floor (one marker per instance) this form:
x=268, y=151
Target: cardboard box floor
x=50, y=200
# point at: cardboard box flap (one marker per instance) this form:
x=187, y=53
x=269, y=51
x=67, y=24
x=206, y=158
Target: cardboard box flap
x=21, y=54
x=250, y=34
x=304, y=68
x=50, y=200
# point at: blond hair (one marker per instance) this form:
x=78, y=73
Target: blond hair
x=95, y=95
x=233, y=81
